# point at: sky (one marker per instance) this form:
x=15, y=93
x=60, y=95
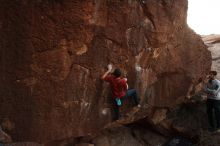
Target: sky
x=204, y=16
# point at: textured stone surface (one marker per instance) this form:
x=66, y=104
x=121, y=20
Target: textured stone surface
x=188, y=119
x=117, y=137
x=4, y=137
x=211, y=139
x=23, y=144
x=84, y=144
x=129, y=136
x=213, y=43
x=210, y=39
x=54, y=51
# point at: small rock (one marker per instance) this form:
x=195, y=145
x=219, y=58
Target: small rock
x=4, y=137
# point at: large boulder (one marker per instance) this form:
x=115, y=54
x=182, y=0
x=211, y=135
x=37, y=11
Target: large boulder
x=4, y=137
x=213, y=43
x=53, y=53
x=23, y=144
x=120, y=137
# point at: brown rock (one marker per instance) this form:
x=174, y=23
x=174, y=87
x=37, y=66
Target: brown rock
x=211, y=39
x=101, y=140
x=152, y=138
x=207, y=138
x=53, y=53
x=213, y=42
x=159, y=115
x=129, y=136
x=187, y=119
x=23, y=144
x=119, y=136
x=84, y=144
x=4, y=137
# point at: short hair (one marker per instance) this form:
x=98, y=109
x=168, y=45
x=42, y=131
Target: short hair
x=117, y=72
x=213, y=72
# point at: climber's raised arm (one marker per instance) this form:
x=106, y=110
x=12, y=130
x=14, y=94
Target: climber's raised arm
x=107, y=72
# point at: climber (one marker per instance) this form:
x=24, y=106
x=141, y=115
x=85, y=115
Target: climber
x=119, y=88
x=212, y=90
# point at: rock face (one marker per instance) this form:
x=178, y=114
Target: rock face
x=53, y=53
x=23, y=144
x=128, y=137
x=213, y=43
